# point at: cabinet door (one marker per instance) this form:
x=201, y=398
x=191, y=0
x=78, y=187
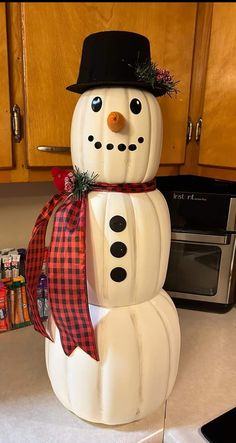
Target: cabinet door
x=5, y=119
x=218, y=135
x=53, y=35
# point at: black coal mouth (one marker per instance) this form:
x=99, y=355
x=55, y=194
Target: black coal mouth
x=111, y=146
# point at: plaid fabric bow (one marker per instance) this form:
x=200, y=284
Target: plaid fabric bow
x=67, y=288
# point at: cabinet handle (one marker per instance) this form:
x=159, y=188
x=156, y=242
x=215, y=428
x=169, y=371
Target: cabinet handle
x=54, y=149
x=16, y=123
x=189, y=131
x=198, y=130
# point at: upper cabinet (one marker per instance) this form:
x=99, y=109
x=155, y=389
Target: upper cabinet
x=5, y=118
x=40, y=55
x=53, y=38
x=213, y=95
x=218, y=138
x=50, y=37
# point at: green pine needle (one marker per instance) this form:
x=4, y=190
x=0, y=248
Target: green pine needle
x=84, y=182
x=146, y=72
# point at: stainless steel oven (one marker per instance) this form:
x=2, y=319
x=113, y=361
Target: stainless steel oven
x=202, y=262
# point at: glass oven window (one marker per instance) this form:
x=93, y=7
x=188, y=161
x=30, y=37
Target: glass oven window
x=193, y=268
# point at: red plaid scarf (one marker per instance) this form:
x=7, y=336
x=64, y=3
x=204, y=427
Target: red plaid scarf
x=67, y=288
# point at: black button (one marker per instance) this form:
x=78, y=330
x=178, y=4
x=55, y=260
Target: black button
x=117, y=223
x=118, y=249
x=110, y=146
x=121, y=147
x=132, y=147
x=118, y=274
x=98, y=145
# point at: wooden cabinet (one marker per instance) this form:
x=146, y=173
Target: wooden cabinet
x=5, y=121
x=218, y=138
x=52, y=62
x=213, y=94
x=48, y=39
x=40, y=54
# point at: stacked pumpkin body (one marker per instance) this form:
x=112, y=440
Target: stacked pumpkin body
x=127, y=251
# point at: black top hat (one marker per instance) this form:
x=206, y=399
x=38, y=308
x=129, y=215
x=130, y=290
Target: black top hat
x=120, y=58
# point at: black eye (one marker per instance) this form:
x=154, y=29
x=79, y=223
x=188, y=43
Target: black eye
x=96, y=104
x=135, y=106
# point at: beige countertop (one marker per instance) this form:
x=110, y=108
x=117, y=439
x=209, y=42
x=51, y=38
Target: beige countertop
x=31, y=413
x=206, y=381
x=205, y=387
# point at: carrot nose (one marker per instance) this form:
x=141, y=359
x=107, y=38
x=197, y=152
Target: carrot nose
x=115, y=121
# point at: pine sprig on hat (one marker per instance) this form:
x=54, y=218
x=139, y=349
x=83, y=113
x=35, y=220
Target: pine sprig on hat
x=160, y=80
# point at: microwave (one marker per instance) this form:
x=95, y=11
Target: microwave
x=202, y=263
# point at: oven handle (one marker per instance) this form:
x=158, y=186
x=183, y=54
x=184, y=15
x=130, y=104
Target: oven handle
x=201, y=238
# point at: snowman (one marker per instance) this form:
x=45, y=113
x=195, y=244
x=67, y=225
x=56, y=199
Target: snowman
x=116, y=133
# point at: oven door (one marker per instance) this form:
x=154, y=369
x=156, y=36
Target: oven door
x=201, y=267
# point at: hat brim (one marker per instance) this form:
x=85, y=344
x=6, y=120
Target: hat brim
x=82, y=87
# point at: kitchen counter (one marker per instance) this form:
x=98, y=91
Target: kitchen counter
x=31, y=413
x=205, y=387
x=206, y=383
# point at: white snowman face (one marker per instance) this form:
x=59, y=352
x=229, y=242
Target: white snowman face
x=117, y=134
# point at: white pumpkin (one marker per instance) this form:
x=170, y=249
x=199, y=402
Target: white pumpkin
x=117, y=134
x=139, y=352
x=141, y=129
x=146, y=236
x=145, y=240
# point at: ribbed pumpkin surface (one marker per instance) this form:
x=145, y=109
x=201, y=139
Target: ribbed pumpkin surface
x=146, y=237
x=95, y=148
x=139, y=353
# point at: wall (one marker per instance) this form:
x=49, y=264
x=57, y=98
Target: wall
x=20, y=204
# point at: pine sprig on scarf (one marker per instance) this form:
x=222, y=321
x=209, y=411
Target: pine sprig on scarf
x=82, y=183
